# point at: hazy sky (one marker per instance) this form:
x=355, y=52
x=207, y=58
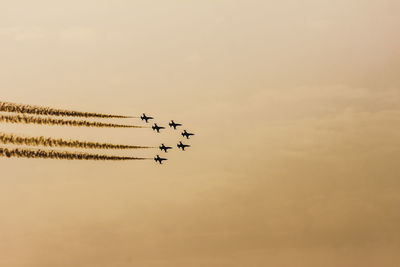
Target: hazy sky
x=296, y=110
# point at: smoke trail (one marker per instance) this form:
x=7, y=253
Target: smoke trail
x=29, y=109
x=50, y=121
x=53, y=142
x=43, y=154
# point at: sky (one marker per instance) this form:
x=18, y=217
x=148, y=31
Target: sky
x=296, y=110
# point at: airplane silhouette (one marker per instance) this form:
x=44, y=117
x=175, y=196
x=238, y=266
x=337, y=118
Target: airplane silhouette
x=165, y=148
x=173, y=124
x=145, y=118
x=186, y=134
x=182, y=146
x=160, y=160
x=157, y=128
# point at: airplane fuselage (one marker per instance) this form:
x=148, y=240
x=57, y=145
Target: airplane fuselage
x=158, y=159
x=165, y=148
x=187, y=135
x=182, y=146
x=174, y=125
x=145, y=118
x=157, y=128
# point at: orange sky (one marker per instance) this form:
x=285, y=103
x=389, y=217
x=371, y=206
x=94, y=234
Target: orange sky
x=296, y=110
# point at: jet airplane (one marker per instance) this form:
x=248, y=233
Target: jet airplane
x=165, y=148
x=157, y=128
x=186, y=134
x=182, y=146
x=173, y=124
x=145, y=118
x=160, y=160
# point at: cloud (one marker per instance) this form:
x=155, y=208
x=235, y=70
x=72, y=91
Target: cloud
x=194, y=58
x=77, y=35
x=70, y=35
x=22, y=34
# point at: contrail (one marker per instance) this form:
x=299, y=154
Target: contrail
x=43, y=154
x=50, y=121
x=58, y=142
x=30, y=109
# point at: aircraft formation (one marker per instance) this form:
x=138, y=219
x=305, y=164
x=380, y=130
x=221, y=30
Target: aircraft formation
x=172, y=124
x=30, y=114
